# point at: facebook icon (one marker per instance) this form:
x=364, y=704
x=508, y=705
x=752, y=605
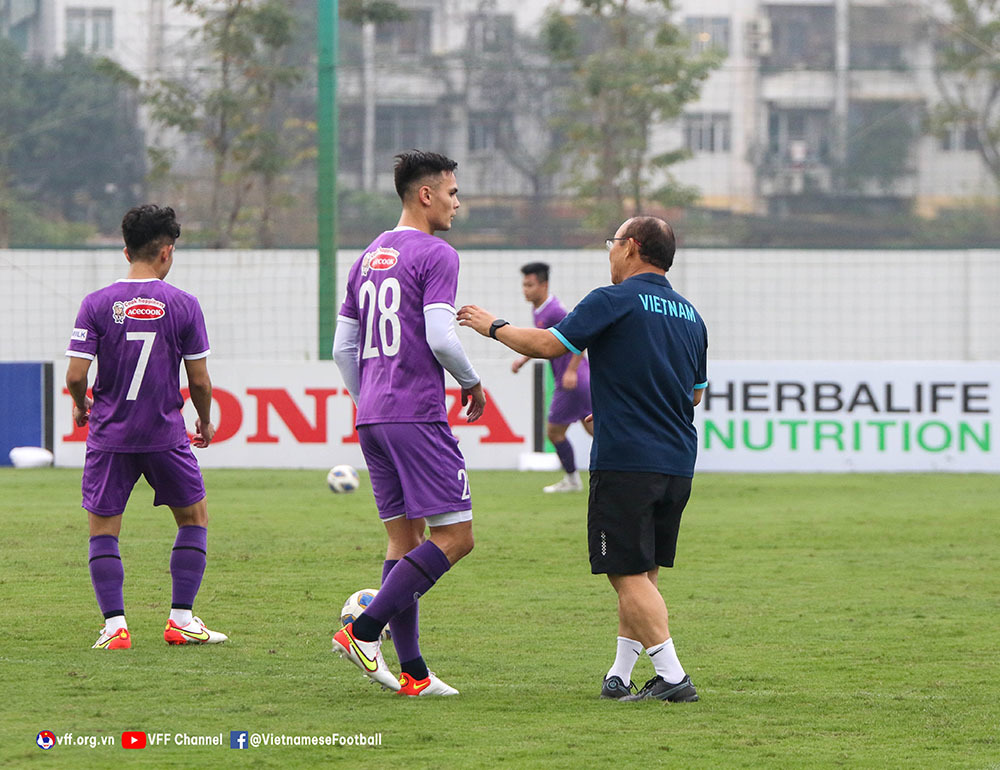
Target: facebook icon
x=238, y=739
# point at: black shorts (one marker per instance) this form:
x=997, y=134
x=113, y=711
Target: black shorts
x=632, y=520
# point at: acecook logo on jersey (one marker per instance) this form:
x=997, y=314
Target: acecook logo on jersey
x=139, y=309
x=383, y=258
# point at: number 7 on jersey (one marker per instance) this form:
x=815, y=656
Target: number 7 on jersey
x=147, y=339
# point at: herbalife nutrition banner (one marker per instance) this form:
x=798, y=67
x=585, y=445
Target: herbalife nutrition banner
x=849, y=416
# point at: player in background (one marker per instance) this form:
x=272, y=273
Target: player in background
x=648, y=355
x=139, y=329
x=395, y=337
x=571, y=400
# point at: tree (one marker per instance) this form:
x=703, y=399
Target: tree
x=880, y=144
x=967, y=73
x=631, y=72
x=69, y=139
x=513, y=87
x=13, y=101
x=230, y=102
x=366, y=14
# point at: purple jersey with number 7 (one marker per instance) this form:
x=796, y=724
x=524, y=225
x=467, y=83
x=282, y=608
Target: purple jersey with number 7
x=138, y=331
x=402, y=273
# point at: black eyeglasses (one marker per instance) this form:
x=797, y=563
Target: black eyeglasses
x=611, y=241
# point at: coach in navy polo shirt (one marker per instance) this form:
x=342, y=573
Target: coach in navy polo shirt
x=647, y=347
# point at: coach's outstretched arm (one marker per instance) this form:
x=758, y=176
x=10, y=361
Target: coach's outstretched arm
x=537, y=343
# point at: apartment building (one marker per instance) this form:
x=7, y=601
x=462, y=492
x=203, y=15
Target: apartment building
x=143, y=36
x=823, y=103
x=818, y=103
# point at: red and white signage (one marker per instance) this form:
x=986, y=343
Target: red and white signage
x=301, y=416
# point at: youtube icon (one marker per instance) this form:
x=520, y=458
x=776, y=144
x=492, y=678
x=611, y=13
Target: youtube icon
x=134, y=740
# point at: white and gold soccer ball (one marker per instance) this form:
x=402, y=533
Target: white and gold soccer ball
x=342, y=479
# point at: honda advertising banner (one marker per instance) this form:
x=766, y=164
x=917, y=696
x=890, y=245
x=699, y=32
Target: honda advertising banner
x=299, y=415
x=755, y=416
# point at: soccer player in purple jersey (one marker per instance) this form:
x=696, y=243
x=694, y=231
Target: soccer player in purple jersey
x=395, y=337
x=139, y=329
x=571, y=400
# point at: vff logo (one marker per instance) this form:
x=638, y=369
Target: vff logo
x=238, y=739
x=46, y=739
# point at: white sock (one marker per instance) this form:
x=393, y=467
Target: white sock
x=573, y=478
x=112, y=624
x=181, y=617
x=628, y=653
x=665, y=661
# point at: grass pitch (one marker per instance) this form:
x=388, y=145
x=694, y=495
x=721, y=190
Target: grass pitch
x=827, y=621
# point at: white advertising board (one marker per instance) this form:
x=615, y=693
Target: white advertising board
x=299, y=415
x=849, y=416
x=756, y=416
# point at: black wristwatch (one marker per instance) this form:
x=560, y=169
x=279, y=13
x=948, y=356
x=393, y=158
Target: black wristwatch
x=497, y=324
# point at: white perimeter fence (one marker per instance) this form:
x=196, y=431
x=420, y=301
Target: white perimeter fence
x=758, y=304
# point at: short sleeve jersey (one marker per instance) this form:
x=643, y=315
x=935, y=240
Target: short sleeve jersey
x=400, y=275
x=138, y=331
x=549, y=313
x=647, y=348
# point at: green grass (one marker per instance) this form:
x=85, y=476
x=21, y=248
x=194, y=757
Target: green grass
x=827, y=621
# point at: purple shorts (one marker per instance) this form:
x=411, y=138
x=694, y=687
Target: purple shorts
x=108, y=478
x=568, y=406
x=416, y=469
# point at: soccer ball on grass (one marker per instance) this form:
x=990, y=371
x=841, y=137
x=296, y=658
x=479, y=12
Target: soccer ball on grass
x=356, y=604
x=342, y=478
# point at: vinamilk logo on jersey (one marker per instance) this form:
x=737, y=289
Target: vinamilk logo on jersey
x=139, y=309
x=383, y=258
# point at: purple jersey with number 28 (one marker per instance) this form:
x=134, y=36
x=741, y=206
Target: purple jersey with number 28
x=401, y=274
x=138, y=330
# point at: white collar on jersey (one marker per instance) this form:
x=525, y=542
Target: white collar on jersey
x=136, y=280
x=401, y=228
x=548, y=299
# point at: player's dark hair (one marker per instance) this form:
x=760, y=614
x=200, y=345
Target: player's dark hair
x=538, y=269
x=655, y=238
x=413, y=167
x=147, y=229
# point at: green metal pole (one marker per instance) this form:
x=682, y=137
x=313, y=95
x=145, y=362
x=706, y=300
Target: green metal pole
x=326, y=183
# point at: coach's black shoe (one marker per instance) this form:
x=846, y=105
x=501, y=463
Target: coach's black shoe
x=614, y=688
x=659, y=688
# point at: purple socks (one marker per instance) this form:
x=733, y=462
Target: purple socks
x=107, y=574
x=405, y=628
x=410, y=578
x=565, y=451
x=405, y=625
x=187, y=565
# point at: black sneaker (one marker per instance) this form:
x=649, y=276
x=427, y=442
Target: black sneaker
x=614, y=688
x=659, y=688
